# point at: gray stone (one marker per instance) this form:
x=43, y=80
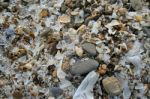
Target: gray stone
x=82, y=67
x=56, y=91
x=89, y=48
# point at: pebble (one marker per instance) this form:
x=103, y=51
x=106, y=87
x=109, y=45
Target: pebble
x=89, y=48
x=83, y=67
x=112, y=86
x=56, y=91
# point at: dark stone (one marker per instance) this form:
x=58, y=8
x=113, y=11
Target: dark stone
x=56, y=91
x=89, y=48
x=83, y=67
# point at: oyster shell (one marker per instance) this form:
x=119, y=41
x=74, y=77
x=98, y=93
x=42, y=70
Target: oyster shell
x=112, y=85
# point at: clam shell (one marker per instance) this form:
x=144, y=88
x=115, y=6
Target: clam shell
x=112, y=86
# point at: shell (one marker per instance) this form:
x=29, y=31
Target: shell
x=54, y=73
x=64, y=19
x=138, y=18
x=44, y=13
x=3, y=82
x=50, y=97
x=17, y=94
x=102, y=69
x=25, y=67
x=65, y=65
x=79, y=51
x=112, y=86
x=122, y=11
x=137, y=4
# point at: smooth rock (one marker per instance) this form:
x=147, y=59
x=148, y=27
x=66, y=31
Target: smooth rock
x=112, y=86
x=82, y=67
x=56, y=91
x=89, y=48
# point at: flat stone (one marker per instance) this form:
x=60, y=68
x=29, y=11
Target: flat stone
x=83, y=67
x=56, y=91
x=89, y=48
x=112, y=86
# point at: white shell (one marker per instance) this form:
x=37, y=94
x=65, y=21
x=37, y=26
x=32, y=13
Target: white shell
x=64, y=19
x=79, y=51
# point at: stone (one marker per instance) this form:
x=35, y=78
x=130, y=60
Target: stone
x=89, y=48
x=56, y=91
x=83, y=67
x=112, y=86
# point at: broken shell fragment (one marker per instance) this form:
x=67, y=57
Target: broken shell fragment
x=65, y=65
x=112, y=86
x=137, y=4
x=102, y=69
x=44, y=13
x=26, y=67
x=3, y=82
x=79, y=51
x=122, y=11
x=138, y=18
x=64, y=19
x=17, y=94
x=54, y=73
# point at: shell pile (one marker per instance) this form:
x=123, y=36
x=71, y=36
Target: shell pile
x=71, y=49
